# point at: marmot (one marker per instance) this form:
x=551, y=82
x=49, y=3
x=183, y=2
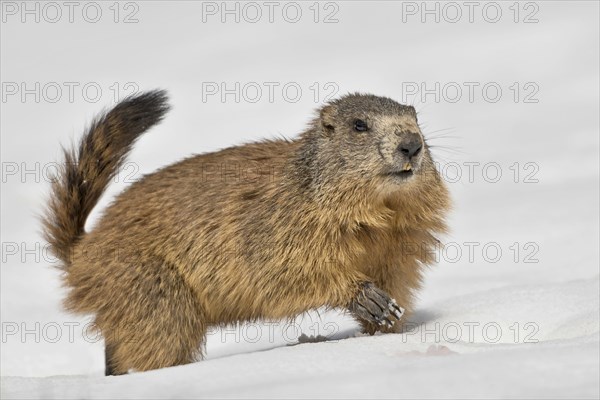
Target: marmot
x=344, y=216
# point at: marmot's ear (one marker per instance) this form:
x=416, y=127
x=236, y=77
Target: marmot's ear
x=412, y=111
x=327, y=116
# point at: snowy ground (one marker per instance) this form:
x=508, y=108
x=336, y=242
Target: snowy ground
x=522, y=322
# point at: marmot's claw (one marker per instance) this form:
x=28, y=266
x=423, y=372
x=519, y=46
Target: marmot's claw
x=396, y=309
x=388, y=323
x=374, y=305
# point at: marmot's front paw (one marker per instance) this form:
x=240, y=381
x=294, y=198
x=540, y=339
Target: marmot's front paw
x=374, y=305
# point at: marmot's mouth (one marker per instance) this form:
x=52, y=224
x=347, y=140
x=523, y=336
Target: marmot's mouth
x=402, y=174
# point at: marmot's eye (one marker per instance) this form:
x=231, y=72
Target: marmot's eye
x=360, y=125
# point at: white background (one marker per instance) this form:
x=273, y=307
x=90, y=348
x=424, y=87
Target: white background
x=547, y=203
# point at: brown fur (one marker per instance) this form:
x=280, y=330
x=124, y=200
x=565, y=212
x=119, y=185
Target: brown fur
x=265, y=230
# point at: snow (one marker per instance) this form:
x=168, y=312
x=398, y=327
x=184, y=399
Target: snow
x=524, y=323
x=436, y=359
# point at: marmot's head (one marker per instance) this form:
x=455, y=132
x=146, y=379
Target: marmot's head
x=374, y=138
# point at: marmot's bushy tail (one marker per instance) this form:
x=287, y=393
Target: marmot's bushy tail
x=88, y=169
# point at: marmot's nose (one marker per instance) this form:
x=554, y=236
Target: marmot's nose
x=410, y=146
